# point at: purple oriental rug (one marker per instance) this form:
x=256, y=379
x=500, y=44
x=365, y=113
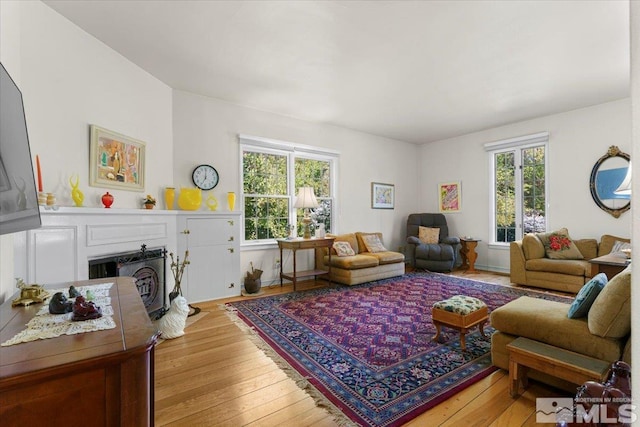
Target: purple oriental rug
x=368, y=349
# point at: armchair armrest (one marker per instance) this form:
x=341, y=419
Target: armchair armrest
x=451, y=240
x=413, y=240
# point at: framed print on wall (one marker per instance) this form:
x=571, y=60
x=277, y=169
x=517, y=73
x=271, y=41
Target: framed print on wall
x=449, y=197
x=116, y=160
x=382, y=196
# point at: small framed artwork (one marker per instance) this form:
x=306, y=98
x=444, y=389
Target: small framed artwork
x=449, y=197
x=382, y=196
x=116, y=161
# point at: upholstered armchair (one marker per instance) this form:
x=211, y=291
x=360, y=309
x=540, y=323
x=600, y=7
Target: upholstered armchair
x=442, y=253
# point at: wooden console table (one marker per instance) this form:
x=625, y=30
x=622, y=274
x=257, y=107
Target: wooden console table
x=468, y=253
x=300, y=243
x=101, y=378
x=610, y=264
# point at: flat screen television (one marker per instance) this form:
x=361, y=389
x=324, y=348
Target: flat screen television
x=19, y=209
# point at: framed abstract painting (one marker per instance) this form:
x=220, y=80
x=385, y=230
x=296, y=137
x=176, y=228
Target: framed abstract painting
x=382, y=196
x=116, y=160
x=449, y=197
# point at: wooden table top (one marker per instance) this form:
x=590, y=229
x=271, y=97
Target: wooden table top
x=618, y=259
x=134, y=332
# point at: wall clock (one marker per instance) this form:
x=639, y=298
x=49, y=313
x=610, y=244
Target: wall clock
x=205, y=177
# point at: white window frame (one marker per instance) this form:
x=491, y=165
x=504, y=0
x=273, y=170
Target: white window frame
x=516, y=144
x=291, y=151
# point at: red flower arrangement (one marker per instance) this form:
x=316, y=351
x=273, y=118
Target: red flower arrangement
x=558, y=242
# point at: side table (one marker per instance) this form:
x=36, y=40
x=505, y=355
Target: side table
x=300, y=243
x=610, y=264
x=468, y=253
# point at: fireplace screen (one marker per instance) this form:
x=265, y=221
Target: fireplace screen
x=146, y=266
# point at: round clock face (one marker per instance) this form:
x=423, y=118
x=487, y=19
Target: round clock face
x=205, y=177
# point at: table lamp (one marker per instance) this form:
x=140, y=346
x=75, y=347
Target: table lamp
x=306, y=199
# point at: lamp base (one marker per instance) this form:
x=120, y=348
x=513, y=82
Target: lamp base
x=306, y=227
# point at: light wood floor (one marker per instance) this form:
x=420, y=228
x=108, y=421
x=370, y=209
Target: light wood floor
x=215, y=376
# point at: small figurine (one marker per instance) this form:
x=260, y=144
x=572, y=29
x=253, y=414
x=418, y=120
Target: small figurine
x=59, y=304
x=76, y=194
x=73, y=292
x=85, y=310
x=29, y=293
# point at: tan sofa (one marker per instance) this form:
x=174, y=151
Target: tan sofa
x=362, y=267
x=604, y=334
x=529, y=265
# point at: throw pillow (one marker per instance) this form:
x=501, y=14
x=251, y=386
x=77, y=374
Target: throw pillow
x=587, y=295
x=618, y=246
x=373, y=243
x=429, y=235
x=558, y=245
x=343, y=249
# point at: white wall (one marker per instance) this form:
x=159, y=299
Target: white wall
x=70, y=80
x=577, y=140
x=206, y=131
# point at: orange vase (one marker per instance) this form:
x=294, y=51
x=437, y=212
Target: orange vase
x=231, y=200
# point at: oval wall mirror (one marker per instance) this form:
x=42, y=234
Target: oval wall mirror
x=606, y=176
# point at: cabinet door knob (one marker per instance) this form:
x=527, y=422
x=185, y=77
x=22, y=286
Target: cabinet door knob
x=230, y=239
x=232, y=285
x=185, y=231
x=230, y=222
x=230, y=250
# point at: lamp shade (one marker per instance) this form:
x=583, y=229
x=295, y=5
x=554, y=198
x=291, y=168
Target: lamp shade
x=625, y=188
x=306, y=198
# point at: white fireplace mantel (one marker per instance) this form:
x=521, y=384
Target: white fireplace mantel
x=70, y=237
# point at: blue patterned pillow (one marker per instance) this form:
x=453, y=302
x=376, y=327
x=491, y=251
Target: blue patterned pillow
x=587, y=295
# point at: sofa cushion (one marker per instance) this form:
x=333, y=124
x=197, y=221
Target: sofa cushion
x=587, y=295
x=610, y=314
x=547, y=321
x=387, y=257
x=361, y=246
x=428, y=235
x=353, y=262
x=558, y=245
x=606, y=243
x=343, y=249
x=373, y=243
x=587, y=247
x=571, y=267
x=348, y=237
x=532, y=247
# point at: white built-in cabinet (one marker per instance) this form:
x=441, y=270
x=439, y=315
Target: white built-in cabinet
x=213, y=242
x=69, y=238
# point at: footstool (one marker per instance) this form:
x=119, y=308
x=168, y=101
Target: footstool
x=459, y=312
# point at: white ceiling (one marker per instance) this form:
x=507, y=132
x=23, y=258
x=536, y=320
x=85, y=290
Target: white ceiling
x=417, y=71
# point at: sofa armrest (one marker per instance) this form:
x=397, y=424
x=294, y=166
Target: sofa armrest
x=517, y=263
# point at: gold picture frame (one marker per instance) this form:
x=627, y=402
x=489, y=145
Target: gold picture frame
x=116, y=160
x=449, y=197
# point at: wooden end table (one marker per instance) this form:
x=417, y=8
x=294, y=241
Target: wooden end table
x=468, y=253
x=300, y=243
x=610, y=264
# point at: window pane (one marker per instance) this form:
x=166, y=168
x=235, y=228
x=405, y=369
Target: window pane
x=314, y=173
x=264, y=173
x=266, y=217
x=533, y=182
x=505, y=195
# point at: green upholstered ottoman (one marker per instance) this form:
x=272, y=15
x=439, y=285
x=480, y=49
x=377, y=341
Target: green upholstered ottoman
x=461, y=313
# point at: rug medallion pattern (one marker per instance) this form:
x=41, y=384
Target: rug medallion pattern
x=368, y=349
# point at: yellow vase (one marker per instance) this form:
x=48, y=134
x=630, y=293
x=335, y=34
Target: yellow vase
x=212, y=202
x=190, y=199
x=231, y=200
x=169, y=196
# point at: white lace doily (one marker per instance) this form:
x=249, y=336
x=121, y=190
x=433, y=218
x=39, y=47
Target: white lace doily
x=46, y=325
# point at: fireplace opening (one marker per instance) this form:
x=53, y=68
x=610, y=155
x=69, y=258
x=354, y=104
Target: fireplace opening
x=147, y=266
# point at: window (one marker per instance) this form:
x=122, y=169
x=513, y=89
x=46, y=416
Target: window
x=518, y=186
x=272, y=173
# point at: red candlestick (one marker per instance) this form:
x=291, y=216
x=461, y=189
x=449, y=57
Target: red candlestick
x=39, y=174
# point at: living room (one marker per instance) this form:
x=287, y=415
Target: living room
x=70, y=80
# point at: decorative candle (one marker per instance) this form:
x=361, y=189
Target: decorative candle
x=39, y=173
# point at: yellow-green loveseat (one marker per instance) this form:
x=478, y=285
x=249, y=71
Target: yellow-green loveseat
x=530, y=266
x=363, y=266
x=605, y=333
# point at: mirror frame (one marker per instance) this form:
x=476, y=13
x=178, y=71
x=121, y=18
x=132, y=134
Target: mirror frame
x=613, y=151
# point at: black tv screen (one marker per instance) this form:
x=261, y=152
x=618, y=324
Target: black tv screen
x=18, y=195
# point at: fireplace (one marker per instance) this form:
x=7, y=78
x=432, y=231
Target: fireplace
x=147, y=266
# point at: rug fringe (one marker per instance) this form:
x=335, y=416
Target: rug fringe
x=301, y=381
